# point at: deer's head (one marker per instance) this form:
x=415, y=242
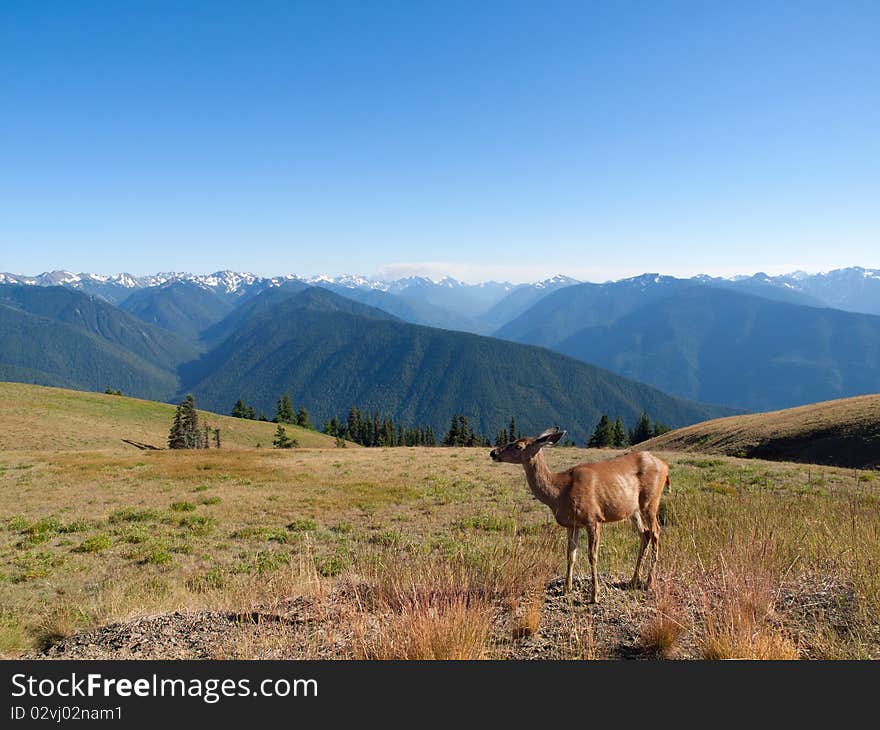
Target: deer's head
x=522, y=450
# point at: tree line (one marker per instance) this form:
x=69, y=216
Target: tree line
x=285, y=412
x=374, y=429
x=614, y=435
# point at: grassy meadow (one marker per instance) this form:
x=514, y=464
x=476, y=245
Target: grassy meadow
x=57, y=419
x=430, y=553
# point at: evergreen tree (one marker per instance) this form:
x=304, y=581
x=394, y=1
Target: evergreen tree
x=620, y=438
x=189, y=420
x=251, y=414
x=176, y=438
x=659, y=429
x=185, y=432
x=352, y=425
x=603, y=435
x=282, y=440
x=463, y=429
x=643, y=430
x=302, y=418
x=430, y=439
x=453, y=435
x=512, y=433
x=284, y=410
x=239, y=410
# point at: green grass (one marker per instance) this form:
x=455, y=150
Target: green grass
x=56, y=419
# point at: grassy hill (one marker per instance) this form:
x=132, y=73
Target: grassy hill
x=53, y=419
x=843, y=432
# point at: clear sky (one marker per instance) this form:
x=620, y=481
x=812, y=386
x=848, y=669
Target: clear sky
x=482, y=139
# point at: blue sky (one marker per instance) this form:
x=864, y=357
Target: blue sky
x=487, y=140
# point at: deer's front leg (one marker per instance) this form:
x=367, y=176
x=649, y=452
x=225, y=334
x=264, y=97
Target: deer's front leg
x=573, y=534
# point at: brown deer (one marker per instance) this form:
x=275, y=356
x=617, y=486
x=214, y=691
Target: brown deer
x=587, y=495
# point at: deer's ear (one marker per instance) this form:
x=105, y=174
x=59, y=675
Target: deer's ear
x=550, y=437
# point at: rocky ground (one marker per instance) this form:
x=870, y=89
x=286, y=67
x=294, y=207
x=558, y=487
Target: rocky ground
x=335, y=625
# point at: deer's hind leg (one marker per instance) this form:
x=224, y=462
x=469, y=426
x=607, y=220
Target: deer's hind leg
x=593, y=532
x=645, y=536
x=655, y=548
x=573, y=535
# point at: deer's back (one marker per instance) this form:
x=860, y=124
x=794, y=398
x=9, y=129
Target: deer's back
x=614, y=489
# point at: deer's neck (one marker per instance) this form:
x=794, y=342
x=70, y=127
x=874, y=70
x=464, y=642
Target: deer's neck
x=541, y=480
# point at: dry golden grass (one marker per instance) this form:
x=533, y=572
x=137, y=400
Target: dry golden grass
x=845, y=432
x=431, y=543
x=661, y=633
x=451, y=629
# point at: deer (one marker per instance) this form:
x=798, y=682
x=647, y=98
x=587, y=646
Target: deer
x=591, y=494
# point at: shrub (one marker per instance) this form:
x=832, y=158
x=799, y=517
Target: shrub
x=94, y=544
x=130, y=514
x=303, y=524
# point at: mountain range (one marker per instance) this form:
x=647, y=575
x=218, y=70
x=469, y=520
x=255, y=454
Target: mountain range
x=328, y=351
x=745, y=343
x=854, y=289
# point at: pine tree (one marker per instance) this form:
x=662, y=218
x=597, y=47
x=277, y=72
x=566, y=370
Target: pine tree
x=453, y=435
x=643, y=430
x=512, y=432
x=620, y=439
x=430, y=439
x=659, y=429
x=251, y=414
x=603, y=435
x=185, y=432
x=302, y=418
x=176, y=439
x=464, y=431
x=263, y=416
x=189, y=421
x=282, y=440
x=239, y=410
x=284, y=410
x=352, y=425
